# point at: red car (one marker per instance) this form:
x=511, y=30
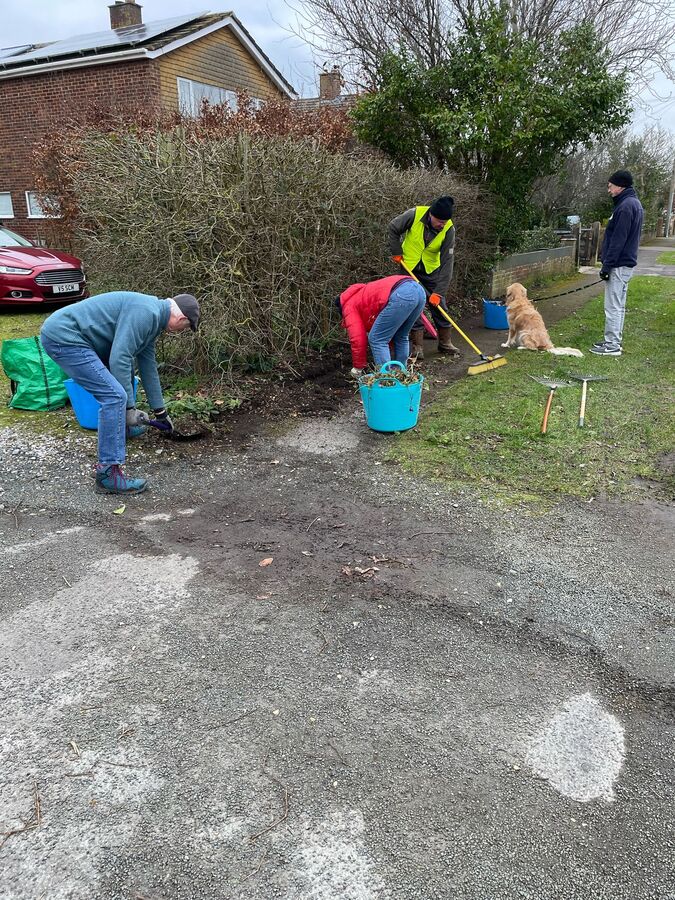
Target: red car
x=30, y=274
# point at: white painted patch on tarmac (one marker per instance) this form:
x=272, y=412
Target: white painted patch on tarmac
x=156, y=517
x=581, y=751
x=333, y=862
x=41, y=542
x=58, y=652
x=324, y=437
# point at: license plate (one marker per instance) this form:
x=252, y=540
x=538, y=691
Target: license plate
x=66, y=288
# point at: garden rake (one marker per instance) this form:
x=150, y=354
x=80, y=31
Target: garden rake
x=486, y=362
x=584, y=379
x=552, y=387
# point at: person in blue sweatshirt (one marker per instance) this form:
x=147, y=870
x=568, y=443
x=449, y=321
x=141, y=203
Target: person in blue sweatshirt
x=99, y=343
x=619, y=257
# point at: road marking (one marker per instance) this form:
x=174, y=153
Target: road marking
x=333, y=862
x=581, y=750
x=40, y=542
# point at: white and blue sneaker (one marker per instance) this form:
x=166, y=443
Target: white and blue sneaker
x=604, y=349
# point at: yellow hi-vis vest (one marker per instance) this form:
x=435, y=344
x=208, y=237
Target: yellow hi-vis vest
x=413, y=244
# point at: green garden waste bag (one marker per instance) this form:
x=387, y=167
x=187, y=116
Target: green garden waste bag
x=36, y=382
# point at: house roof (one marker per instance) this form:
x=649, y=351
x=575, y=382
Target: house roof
x=148, y=41
x=344, y=101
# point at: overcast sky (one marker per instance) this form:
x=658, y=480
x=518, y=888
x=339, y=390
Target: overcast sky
x=269, y=21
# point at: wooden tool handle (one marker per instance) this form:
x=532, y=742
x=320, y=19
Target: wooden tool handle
x=582, y=410
x=544, y=422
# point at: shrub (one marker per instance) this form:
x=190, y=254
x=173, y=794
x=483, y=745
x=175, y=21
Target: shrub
x=542, y=238
x=265, y=229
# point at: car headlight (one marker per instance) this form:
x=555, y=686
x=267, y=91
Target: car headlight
x=13, y=270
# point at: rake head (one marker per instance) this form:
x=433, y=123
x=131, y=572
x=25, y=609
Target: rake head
x=587, y=377
x=549, y=383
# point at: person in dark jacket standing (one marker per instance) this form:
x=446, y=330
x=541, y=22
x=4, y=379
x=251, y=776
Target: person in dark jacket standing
x=619, y=257
x=98, y=342
x=424, y=239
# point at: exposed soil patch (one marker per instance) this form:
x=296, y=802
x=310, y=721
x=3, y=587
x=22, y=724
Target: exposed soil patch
x=320, y=386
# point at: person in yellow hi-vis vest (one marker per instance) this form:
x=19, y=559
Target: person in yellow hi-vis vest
x=424, y=239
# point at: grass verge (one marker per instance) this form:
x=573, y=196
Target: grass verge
x=667, y=258
x=484, y=431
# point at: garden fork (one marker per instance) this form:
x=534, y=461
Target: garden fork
x=584, y=379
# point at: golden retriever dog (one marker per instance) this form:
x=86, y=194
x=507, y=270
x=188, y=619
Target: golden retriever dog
x=526, y=326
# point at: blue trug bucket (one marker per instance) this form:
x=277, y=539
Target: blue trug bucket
x=494, y=315
x=390, y=405
x=85, y=406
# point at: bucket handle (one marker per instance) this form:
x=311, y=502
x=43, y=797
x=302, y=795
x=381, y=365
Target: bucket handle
x=385, y=367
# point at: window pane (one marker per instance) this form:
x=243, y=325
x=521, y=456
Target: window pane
x=185, y=103
x=6, y=208
x=191, y=95
x=35, y=208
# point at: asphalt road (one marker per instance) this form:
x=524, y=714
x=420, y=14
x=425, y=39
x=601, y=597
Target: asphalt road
x=418, y=697
x=484, y=711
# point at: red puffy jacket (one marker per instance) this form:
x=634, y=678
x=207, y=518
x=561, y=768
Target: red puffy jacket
x=361, y=305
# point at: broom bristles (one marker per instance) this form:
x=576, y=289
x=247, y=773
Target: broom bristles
x=479, y=368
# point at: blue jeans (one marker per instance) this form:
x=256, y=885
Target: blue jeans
x=394, y=322
x=85, y=367
x=616, y=290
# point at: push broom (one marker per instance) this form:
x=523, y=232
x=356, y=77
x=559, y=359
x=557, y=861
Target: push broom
x=486, y=362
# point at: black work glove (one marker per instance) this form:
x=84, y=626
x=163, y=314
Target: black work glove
x=604, y=274
x=163, y=421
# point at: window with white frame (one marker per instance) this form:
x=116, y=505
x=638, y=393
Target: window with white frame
x=6, y=208
x=35, y=209
x=191, y=94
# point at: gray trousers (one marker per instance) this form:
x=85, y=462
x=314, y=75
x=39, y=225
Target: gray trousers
x=615, y=304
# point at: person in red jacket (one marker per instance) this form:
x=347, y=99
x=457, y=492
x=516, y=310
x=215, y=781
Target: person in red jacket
x=379, y=312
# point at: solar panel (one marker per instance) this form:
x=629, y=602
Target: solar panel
x=13, y=51
x=102, y=40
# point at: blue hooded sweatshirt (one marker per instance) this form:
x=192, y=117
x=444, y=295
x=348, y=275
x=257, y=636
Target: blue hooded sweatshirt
x=622, y=236
x=120, y=327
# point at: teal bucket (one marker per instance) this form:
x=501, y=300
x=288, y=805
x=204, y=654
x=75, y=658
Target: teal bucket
x=390, y=405
x=85, y=406
x=494, y=315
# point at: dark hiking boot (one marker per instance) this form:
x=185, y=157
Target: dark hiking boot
x=417, y=344
x=445, y=344
x=112, y=480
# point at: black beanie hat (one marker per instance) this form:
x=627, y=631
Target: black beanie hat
x=442, y=208
x=621, y=178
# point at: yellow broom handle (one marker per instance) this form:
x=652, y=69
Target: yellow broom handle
x=443, y=312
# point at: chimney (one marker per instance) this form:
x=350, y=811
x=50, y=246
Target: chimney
x=330, y=84
x=124, y=14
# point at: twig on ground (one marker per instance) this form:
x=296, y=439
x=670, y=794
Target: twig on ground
x=323, y=638
x=282, y=818
x=418, y=533
x=318, y=519
x=230, y=721
x=66, y=581
x=337, y=753
x=258, y=867
x=29, y=824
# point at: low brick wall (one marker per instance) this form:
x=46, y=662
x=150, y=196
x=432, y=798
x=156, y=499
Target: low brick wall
x=525, y=267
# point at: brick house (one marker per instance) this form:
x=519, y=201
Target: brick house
x=168, y=65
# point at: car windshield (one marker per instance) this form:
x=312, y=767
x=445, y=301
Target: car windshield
x=11, y=239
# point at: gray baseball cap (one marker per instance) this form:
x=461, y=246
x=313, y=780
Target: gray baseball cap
x=189, y=306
